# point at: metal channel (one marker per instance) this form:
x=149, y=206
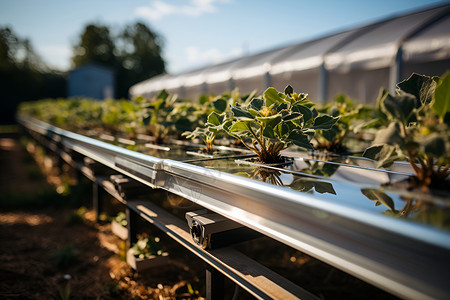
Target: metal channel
x=256, y=279
x=405, y=259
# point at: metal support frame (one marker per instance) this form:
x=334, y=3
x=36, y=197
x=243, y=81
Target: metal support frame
x=131, y=226
x=97, y=200
x=406, y=259
x=214, y=284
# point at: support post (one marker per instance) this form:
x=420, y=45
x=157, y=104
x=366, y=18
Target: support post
x=131, y=226
x=97, y=200
x=214, y=284
x=323, y=83
x=395, y=73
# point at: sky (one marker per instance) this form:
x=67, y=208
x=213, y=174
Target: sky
x=196, y=33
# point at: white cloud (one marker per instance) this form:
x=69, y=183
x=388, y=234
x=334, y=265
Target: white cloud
x=201, y=57
x=159, y=9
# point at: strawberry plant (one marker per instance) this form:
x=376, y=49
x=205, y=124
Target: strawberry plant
x=351, y=116
x=417, y=129
x=213, y=127
x=146, y=247
x=278, y=120
x=117, y=114
x=155, y=115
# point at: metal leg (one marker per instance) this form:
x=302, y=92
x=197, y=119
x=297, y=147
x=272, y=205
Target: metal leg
x=132, y=226
x=97, y=200
x=78, y=176
x=214, y=284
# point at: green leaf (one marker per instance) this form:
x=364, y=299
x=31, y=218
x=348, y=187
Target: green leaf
x=324, y=122
x=280, y=107
x=390, y=135
x=256, y=104
x=292, y=116
x=441, y=104
x=305, y=111
x=162, y=95
x=399, y=107
x=281, y=130
x=270, y=121
x=300, y=139
x=420, y=86
x=302, y=185
x=183, y=124
x=331, y=133
x=305, y=185
x=271, y=96
x=268, y=133
x=379, y=196
x=324, y=187
x=146, y=120
x=288, y=90
x=434, y=145
x=215, y=118
x=239, y=112
x=239, y=126
x=384, y=154
x=156, y=105
x=220, y=105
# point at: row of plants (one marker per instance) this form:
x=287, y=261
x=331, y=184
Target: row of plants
x=412, y=125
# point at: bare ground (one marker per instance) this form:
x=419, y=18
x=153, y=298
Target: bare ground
x=33, y=231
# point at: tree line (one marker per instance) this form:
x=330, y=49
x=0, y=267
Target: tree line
x=134, y=54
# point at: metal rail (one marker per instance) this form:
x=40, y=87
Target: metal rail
x=406, y=259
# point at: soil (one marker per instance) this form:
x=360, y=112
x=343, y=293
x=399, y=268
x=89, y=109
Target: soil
x=48, y=243
x=34, y=233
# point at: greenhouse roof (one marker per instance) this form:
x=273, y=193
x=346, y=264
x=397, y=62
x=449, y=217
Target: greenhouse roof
x=416, y=42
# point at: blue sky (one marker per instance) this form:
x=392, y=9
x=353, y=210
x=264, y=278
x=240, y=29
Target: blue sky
x=196, y=32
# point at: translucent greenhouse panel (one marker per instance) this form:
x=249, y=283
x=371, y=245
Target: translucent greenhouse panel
x=361, y=85
x=430, y=44
x=302, y=81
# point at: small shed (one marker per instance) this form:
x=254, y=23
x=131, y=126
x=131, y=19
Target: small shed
x=91, y=81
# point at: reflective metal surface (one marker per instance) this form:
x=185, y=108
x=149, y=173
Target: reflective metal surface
x=353, y=217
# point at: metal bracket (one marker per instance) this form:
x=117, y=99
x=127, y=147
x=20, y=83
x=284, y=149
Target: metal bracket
x=211, y=230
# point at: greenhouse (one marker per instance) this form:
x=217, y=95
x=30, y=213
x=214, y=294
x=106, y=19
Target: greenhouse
x=317, y=170
x=356, y=62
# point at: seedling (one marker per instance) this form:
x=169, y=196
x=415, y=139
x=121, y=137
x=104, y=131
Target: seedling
x=214, y=125
x=417, y=129
x=275, y=122
x=156, y=115
x=146, y=247
x=351, y=116
x=121, y=218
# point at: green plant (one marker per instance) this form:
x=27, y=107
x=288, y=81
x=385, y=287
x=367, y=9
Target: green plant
x=121, y=218
x=417, y=129
x=76, y=216
x=213, y=126
x=216, y=110
x=65, y=256
x=146, y=247
x=119, y=115
x=155, y=115
x=351, y=117
x=275, y=122
x=65, y=292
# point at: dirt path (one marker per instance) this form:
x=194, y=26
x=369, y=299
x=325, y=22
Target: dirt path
x=37, y=238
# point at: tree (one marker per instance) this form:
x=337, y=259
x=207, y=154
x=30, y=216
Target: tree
x=140, y=56
x=23, y=75
x=95, y=46
x=134, y=53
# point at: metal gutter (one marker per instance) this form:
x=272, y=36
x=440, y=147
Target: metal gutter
x=406, y=259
